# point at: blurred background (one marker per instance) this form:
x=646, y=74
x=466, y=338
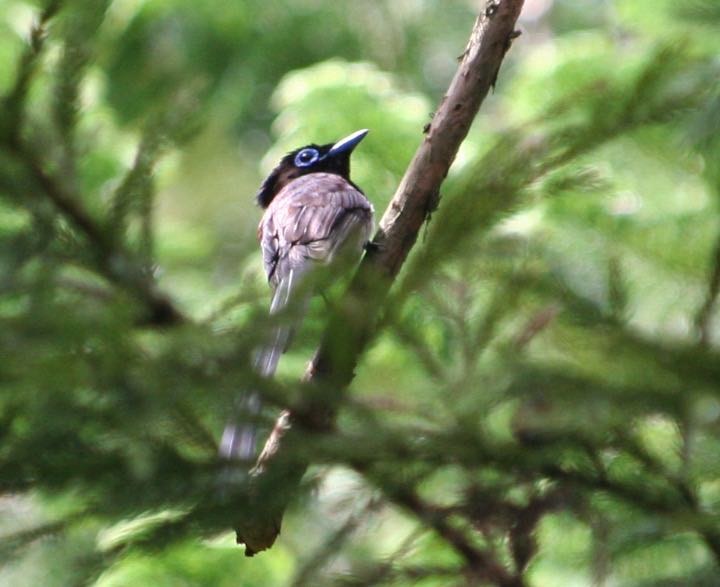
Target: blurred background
x=545, y=382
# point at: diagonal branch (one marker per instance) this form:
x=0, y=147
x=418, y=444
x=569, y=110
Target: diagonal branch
x=350, y=329
x=112, y=260
x=479, y=564
x=417, y=195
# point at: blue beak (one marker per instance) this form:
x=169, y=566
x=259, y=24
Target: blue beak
x=348, y=143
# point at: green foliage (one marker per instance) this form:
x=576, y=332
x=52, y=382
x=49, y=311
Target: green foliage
x=540, y=403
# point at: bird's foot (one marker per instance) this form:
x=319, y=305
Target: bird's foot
x=372, y=247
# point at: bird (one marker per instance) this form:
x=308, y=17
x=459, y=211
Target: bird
x=315, y=225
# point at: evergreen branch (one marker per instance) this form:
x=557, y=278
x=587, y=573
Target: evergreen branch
x=417, y=573
x=135, y=192
x=521, y=156
x=706, y=12
x=10, y=544
x=411, y=339
x=77, y=52
x=480, y=565
x=386, y=571
x=672, y=498
x=668, y=496
x=307, y=572
x=76, y=55
x=111, y=260
x=63, y=201
x=118, y=265
x=675, y=504
x=14, y=102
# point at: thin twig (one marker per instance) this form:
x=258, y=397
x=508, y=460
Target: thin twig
x=479, y=563
x=308, y=571
x=14, y=101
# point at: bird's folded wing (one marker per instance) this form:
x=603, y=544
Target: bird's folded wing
x=312, y=219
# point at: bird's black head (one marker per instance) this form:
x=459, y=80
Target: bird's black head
x=330, y=158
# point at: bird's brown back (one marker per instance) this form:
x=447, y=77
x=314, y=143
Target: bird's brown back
x=313, y=217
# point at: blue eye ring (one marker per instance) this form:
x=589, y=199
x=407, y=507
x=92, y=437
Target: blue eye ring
x=306, y=157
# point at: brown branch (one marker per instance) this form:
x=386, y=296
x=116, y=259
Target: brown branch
x=479, y=564
x=351, y=328
x=418, y=193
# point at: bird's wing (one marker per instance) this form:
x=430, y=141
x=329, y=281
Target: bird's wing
x=312, y=219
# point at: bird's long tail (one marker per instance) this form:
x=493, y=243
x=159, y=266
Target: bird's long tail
x=239, y=438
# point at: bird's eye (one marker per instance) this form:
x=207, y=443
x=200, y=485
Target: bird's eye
x=306, y=157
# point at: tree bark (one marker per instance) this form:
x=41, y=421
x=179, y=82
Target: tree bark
x=352, y=326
